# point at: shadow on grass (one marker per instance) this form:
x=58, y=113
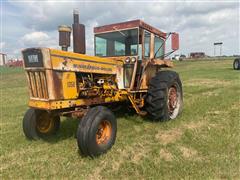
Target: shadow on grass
x=68, y=129
x=131, y=116
x=127, y=112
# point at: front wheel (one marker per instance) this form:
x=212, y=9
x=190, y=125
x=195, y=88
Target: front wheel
x=164, y=99
x=97, y=131
x=39, y=124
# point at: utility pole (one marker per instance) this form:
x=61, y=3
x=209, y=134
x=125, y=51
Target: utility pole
x=220, y=45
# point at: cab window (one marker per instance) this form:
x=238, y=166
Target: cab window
x=158, y=43
x=101, y=46
x=117, y=43
x=146, y=44
x=119, y=48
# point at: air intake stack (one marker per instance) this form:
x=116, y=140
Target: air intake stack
x=64, y=37
x=79, y=45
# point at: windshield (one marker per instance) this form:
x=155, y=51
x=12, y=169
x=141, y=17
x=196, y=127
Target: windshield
x=118, y=43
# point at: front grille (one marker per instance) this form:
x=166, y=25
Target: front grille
x=33, y=57
x=38, y=84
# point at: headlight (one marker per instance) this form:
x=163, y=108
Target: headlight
x=133, y=59
x=127, y=60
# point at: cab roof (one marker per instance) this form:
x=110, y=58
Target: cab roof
x=129, y=25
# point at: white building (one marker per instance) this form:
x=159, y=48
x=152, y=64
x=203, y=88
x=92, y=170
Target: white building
x=3, y=59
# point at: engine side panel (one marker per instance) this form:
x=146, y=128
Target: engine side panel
x=68, y=61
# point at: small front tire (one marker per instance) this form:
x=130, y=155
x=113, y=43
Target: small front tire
x=97, y=130
x=39, y=124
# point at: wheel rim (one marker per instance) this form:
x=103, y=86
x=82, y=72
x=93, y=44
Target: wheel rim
x=173, y=101
x=45, y=123
x=235, y=64
x=104, y=132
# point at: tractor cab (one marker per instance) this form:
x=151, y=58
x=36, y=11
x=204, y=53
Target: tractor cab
x=137, y=44
x=132, y=38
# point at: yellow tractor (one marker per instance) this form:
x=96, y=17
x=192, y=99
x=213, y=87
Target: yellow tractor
x=127, y=68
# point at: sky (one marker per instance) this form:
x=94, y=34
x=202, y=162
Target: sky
x=27, y=24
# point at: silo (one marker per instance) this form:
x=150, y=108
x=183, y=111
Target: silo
x=3, y=58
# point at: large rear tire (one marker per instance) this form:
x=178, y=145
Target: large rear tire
x=97, y=130
x=236, y=64
x=164, y=99
x=39, y=124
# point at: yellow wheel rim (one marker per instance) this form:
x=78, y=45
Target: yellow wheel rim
x=104, y=132
x=45, y=123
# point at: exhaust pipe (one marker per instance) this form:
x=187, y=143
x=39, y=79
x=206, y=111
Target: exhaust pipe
x=64, y=36
x=79, y=45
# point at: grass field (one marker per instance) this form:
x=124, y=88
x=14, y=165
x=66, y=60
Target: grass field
x=202, y=143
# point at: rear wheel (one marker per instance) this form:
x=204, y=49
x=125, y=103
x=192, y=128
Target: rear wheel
x=39, y=123
x=236, y=64
x=164, y=100
x=97, y=131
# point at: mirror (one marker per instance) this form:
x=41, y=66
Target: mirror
x=175, y=41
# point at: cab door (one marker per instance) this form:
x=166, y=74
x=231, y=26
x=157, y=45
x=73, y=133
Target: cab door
x=147, y=70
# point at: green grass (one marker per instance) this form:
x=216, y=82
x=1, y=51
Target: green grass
x=202, y=143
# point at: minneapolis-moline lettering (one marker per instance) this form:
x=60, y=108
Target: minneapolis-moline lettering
x=91, y=67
